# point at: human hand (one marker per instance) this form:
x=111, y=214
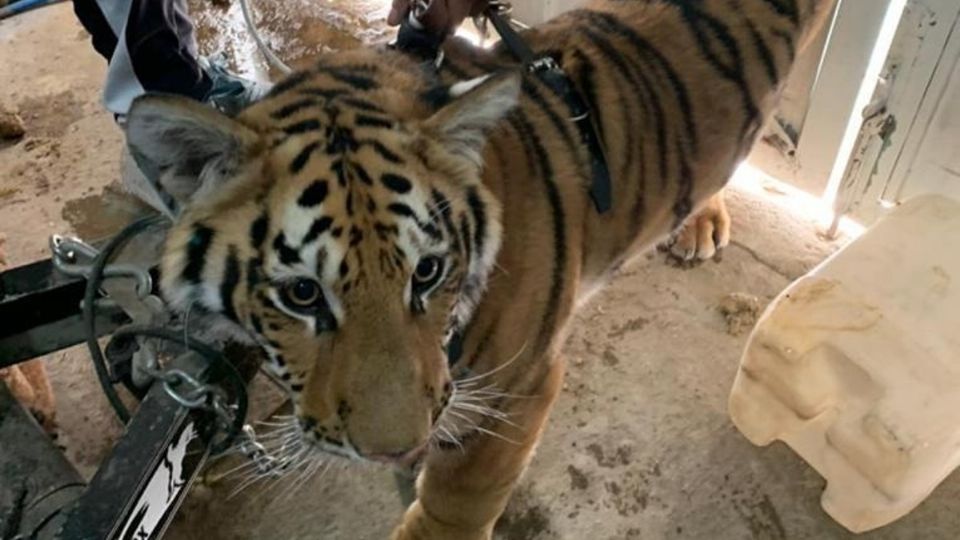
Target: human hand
x=441, y=17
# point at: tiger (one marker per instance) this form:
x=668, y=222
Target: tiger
x=408, y=243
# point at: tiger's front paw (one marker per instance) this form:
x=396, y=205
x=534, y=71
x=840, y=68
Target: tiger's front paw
x=704, y=233
x=417, y=524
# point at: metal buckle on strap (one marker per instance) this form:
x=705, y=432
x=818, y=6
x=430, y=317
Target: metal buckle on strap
x=549, y=64
x=417, y=10
x=544, y=63
x=549, y=71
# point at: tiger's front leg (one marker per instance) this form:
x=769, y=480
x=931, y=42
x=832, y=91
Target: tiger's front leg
x=462, y=494
x=704, y=233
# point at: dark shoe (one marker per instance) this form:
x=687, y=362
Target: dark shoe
x=230, y=93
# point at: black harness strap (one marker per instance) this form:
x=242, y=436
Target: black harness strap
x=548, y=71
x=414, y=40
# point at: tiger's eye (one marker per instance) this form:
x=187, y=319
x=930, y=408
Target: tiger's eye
x=303, y=292
x=428, y=271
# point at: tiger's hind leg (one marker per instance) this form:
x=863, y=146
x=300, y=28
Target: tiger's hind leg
x=29, y=385
x=44, y=406
x=703, y=234
x=28, y=381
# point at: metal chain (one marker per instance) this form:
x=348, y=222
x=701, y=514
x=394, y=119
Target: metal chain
x=186, y=389
x=263, y=460
x=74, y=257
x=193, y=394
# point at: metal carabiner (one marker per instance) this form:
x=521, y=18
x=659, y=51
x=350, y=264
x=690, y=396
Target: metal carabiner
x=74, y=257
x=196, y=397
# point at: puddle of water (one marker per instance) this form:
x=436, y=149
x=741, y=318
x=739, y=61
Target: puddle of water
x=100, y=216
x=296, y=30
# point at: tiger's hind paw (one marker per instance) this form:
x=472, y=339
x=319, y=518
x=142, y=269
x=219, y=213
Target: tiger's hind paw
x=703, y=234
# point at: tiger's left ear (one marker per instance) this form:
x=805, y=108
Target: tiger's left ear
x=477, y=106
x=186, y=148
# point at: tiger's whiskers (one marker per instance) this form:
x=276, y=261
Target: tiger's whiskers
x=472, y=397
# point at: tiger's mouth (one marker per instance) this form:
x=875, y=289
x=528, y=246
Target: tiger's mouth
x=441, y=438
x=343, y=448
x=472, y=410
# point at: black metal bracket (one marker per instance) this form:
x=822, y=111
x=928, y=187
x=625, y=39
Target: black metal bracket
x=40, y=312
x=139, y=487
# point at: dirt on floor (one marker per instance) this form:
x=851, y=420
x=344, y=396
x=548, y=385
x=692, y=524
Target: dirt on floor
x=740, y=310
x=639, y=446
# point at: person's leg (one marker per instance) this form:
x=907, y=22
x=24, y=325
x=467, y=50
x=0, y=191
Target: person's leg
x=93, y=20
x=163, y=48
x=157, y=53
x=151, y=47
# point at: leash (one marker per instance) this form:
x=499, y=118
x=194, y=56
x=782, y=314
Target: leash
x=265, y=50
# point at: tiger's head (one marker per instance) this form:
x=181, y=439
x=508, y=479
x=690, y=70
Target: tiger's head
x=341, y=224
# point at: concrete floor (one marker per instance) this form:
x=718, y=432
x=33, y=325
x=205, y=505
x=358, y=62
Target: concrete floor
x=639, y=445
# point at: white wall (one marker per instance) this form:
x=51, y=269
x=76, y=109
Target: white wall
x=936, y=167
x=911, y=143
x=536, y=11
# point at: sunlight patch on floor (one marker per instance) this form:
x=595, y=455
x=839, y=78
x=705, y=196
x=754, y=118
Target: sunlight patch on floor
x=754, y=181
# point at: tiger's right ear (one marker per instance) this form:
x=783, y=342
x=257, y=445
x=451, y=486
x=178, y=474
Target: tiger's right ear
x=186, y=148
x=475, y=107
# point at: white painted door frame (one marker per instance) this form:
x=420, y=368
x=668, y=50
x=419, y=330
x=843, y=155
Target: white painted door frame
x=923, y=58
x=801, y=143
x=850, y=44
x=537, y=11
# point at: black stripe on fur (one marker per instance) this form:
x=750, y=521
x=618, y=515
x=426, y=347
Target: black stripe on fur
x=231, y=278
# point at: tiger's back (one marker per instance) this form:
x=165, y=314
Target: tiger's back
x=678, y=91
